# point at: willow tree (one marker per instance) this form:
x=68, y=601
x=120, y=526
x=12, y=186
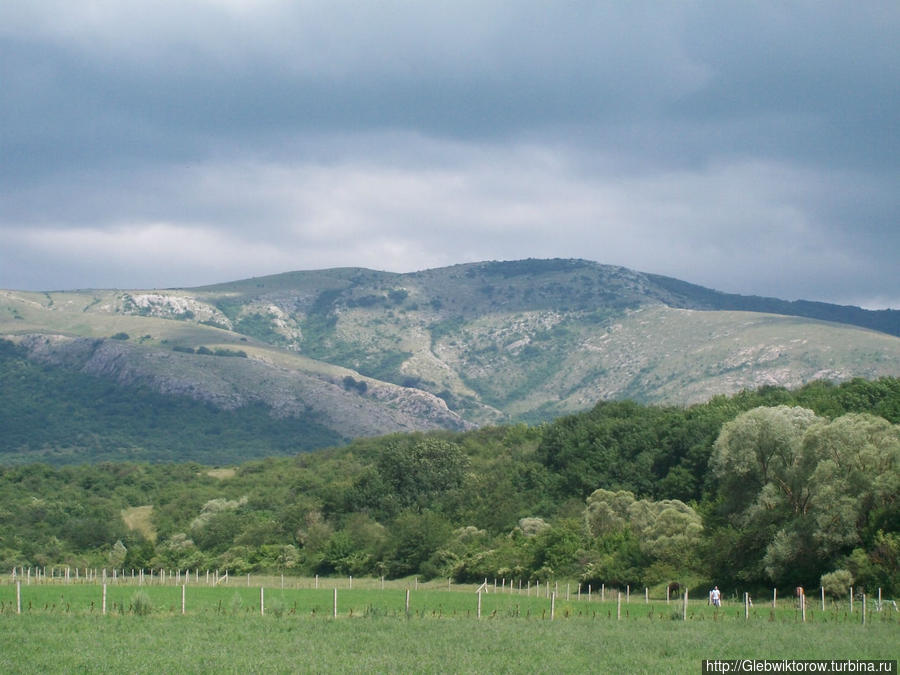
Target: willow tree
x=798, y=492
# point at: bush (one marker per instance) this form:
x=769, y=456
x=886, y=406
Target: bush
x=837, y=584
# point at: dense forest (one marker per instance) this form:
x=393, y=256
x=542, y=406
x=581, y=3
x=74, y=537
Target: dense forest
x=61, y=416
x=766, y=487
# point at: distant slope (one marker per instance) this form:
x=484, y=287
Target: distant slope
x=355, y=352
x=691, y=296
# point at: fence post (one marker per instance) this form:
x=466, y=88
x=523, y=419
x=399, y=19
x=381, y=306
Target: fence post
x=262, y=601
x=646, y=595
x=667, y=593
x=774, y=598
x=822, y=592
x=479, y=605
x=627, y=593
x=552, y=605
x=182, y=598
x=602, y=592
x=851, y=599
x=103, y=610
x=864, y=610
x=351, y=582
x=18, y=597
x=589, y=592
x=803, y=607
x=684, y=608
x=746, y=605
x=407, y=603
x=619, y=606
x=334, y=610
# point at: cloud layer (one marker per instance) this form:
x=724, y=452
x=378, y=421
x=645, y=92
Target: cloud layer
x=750, y=147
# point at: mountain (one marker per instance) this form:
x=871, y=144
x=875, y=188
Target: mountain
x=355, y=352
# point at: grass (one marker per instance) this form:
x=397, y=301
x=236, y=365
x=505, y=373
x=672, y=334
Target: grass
x=243, y=641
x=62, y=629
x=140, y=518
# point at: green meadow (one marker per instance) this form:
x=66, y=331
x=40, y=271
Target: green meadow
x=62, y=628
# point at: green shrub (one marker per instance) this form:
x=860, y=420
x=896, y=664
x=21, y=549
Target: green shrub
x=140, y=604
x=837, y=584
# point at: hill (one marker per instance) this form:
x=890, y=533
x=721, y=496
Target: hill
x=345, y=353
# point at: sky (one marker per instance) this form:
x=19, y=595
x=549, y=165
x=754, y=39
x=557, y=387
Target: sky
x=750, y=147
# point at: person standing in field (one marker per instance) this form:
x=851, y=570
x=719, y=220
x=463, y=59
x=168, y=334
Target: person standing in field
x=715, y=597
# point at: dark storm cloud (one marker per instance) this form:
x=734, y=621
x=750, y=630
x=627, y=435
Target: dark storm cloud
x=751, y=147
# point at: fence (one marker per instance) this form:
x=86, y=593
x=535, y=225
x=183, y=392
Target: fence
x=212, y=592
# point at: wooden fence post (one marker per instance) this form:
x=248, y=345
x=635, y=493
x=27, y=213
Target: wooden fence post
x=479, y=605
x=407, y=603
x=552, y=605
x=619, y=606
x=18, y=597
x=103, y=610
x=334, y=610
x=684, y=607
x=803, y=607
x=746, y=605
x=864, y=610
x=182, y=598
x=262, y=601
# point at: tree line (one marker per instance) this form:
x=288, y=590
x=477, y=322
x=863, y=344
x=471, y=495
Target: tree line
x=772, y=486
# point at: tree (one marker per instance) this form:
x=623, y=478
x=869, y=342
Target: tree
x=667, y=532
x=807, y=489
x=420, y=471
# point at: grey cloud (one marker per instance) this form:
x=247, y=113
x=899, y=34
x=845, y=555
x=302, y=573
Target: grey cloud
x=751, y=147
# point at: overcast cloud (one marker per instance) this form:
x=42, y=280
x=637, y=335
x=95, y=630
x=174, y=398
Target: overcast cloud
x=751, y=147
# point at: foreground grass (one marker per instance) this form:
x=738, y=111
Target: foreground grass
x=232, y=644
x=61, y=629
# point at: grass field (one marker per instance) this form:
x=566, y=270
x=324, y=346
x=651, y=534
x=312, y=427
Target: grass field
x=62, y=629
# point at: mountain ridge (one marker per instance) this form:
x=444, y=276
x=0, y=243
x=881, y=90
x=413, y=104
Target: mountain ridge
x=365, y=352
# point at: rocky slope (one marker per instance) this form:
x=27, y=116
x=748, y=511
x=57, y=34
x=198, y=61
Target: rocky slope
x=371, y=352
